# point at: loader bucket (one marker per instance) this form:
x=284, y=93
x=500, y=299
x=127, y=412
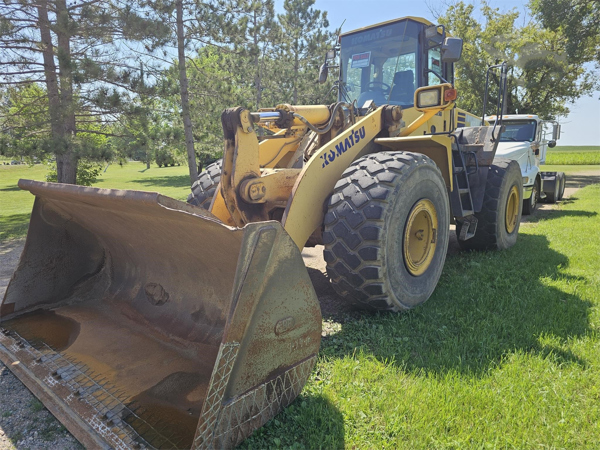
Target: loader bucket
x=144, y=322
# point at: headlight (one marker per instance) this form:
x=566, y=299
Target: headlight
x=426, y=99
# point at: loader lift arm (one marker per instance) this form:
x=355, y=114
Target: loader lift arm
x=249, y=193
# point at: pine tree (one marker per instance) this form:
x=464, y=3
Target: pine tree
x=82, y=53
x=305, y=40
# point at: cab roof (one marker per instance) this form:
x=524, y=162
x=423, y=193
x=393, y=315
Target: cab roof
x=415, y=19
x=515, y=117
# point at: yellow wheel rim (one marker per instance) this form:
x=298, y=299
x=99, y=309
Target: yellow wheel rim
x=512, y=209
x=420, y=236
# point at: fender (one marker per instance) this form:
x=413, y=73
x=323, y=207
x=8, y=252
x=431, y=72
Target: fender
x=304, y=211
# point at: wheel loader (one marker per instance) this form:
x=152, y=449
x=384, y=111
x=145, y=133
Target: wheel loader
x=145, y=322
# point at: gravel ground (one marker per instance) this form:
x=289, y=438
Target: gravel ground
x=26, y=424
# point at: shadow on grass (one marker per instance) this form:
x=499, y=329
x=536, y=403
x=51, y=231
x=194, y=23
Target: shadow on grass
x=486, y=305
x=10, y=189
x=578, y=181
x=544, y=214
x=13, y=226
x=290, y=429
x=166, y=181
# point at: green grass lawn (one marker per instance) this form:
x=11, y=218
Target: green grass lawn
x=505, y=354
x=15, y=204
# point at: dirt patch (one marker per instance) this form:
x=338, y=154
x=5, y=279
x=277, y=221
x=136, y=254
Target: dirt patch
x=333, y=307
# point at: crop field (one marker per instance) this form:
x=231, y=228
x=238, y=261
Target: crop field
x=572, y=155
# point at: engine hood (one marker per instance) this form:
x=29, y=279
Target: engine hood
x=512, y=150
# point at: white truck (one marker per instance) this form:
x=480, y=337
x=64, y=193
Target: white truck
x=525, y=140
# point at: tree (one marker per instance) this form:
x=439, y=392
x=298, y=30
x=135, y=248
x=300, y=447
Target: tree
x=184, y=94
x=213, y=86
x=82, y=52
x=578, y=21
x=542, y=78
x=261, y=34
x=305, y=39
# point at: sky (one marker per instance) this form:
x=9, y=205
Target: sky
x=580, y=127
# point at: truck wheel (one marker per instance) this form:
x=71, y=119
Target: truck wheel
x=499, y=218
x=563, y=182
x=203, y=189
x=386, y=231
x=530, y=203
x=552, y=197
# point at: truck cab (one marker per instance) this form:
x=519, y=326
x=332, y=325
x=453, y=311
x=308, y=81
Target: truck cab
x=526, y=139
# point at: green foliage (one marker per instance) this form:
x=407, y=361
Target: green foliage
x=65, y=106
x=306, y=39
x=578, y=21
x=23, y=119
x=164, y=157
x=88, y=173
x=542, y=78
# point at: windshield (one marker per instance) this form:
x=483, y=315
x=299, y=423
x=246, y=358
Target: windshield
x=518, y=131
x=380, y=64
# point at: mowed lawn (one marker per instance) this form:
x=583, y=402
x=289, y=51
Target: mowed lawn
x=505, y=354
x=15, y=204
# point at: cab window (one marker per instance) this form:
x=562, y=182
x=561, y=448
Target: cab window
x=518, y=131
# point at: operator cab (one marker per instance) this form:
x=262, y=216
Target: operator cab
x=386, y=63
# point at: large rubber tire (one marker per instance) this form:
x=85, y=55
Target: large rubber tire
x=204, y=188
x=563, y=182
x=493, y=232
x=552, y=197
x=365, y=224
x=529, y=204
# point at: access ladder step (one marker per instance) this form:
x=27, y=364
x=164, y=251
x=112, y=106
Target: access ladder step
x=469, y=228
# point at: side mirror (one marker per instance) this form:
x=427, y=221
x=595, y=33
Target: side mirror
x=330, y=54
x=432, y=33
x=451, y=49
x=323, y=73
x=556, y=133
x=552, y=143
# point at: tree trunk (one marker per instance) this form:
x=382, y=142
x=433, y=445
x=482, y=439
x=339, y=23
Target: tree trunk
x=257, y=75
x=296, y=70
x=54, y=100
x=185, y=100
x=66, y=162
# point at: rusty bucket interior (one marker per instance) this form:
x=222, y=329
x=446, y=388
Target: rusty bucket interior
x=142, y=321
